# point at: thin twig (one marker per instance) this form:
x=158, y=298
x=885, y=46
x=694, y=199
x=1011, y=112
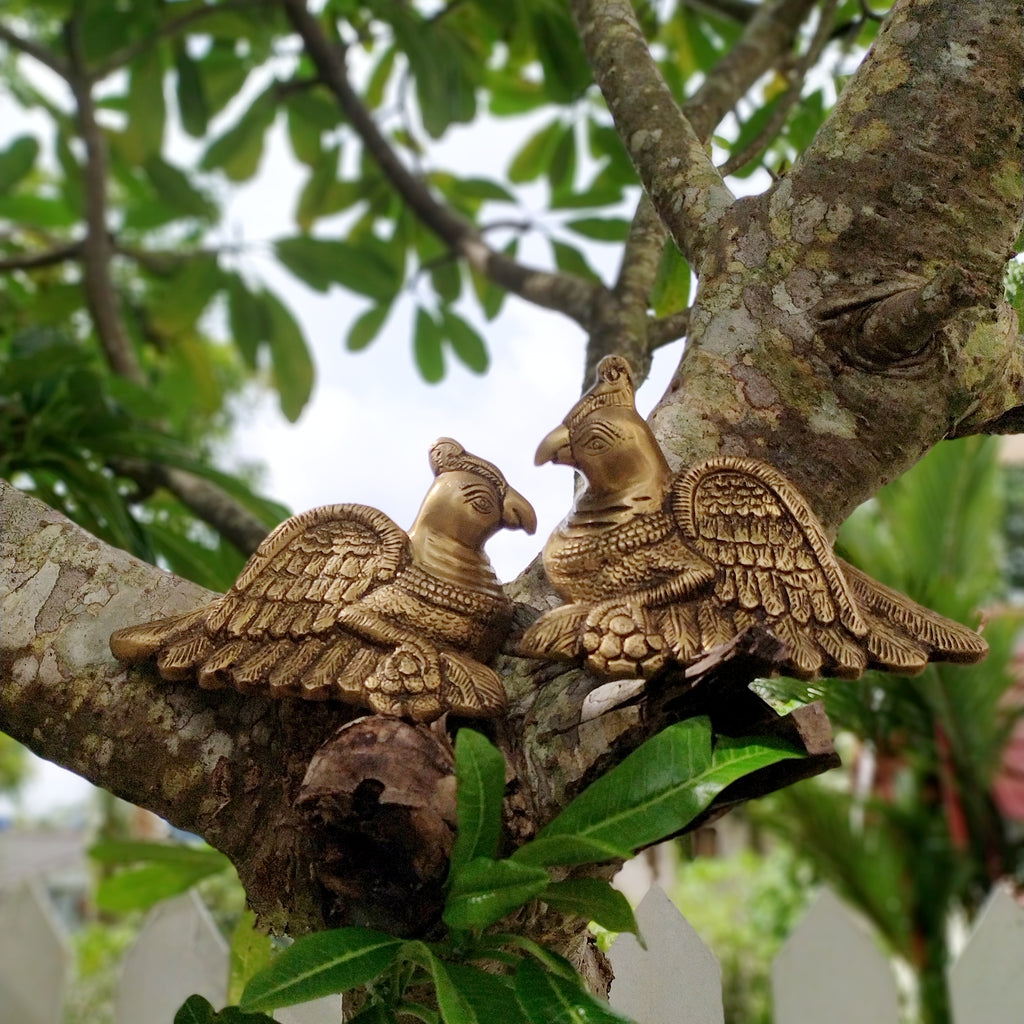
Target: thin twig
x=34, y=50
x=97, y=247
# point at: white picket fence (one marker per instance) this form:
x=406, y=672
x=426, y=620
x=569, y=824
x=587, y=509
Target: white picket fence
x=830, y=969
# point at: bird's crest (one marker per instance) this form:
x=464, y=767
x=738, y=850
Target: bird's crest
x=447, y=455
x=614, y=386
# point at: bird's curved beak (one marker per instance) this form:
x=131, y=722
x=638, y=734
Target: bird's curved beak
x=555, y=448
x=517, y=513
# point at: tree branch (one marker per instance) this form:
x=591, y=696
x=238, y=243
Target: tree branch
x=39, y=260
x=34, y=50
x=230, y=766
x=667, y=329
x=562, y=292
x=770, y=33
x=686, y=189
x=97, y=246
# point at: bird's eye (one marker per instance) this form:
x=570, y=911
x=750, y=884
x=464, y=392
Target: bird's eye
x=483, y=505
x=595, y=444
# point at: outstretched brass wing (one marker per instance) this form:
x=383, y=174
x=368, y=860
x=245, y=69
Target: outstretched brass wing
x=278, y=629
x=774, y=566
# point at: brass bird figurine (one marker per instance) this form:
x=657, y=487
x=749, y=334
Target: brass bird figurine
x=340, y=603
x=660, y=567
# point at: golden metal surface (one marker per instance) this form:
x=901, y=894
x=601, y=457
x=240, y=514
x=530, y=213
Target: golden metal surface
x=660, y=568
x=340, y=603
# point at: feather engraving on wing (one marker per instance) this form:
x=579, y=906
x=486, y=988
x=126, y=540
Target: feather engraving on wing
x=660, y=567
x=340, y=603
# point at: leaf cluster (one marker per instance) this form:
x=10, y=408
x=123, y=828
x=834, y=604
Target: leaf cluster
x=68, y=427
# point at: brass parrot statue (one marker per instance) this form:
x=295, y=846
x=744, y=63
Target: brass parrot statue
x=659, y=567
x=340, y=603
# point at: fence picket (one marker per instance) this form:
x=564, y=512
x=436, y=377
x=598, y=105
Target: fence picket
x=319, y=1011
x=34, y=958
x=986, y=984
x=676, y=980
x=831, y=969
x=178, y=951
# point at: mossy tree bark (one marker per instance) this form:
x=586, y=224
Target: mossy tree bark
x=846, y=321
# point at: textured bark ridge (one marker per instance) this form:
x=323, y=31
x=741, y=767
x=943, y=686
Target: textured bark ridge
x=852, y=316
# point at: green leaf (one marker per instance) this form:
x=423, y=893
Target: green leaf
x=319, y=965
x=466, y=343
x=549, y=999
x=564, y=849
x=426, y=347
x=192, y=105
x=593, y=899
x=233, y=1015
x=447, y=281
x=310, y=114
x=489, y=295
x=491, y=996
x=671, y=290
x=131, y=851
x=323, y=194
x=250, y=952
x=601, y=229
x=660, y=787
x=320, y=263
x=223, y=74
x=562, y=166
x=178, y=299
x=566, y=71
x=16, y=161
x=238, y=151
x=480, y=782
x=142, y=887
x=175, y=189
x=485, y=890
x=366, y=328
x=484, y=189
x=455, y=1009
x=248, y=318
x=535, y=154
x=146, y=109
x=569, y=259
x=195, y=1010
x=293, y=366
x=37, y=210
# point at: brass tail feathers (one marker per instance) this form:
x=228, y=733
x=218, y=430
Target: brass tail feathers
x=661, y=568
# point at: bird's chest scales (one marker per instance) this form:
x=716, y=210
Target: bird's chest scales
x=587, y=562
x=450, y=615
